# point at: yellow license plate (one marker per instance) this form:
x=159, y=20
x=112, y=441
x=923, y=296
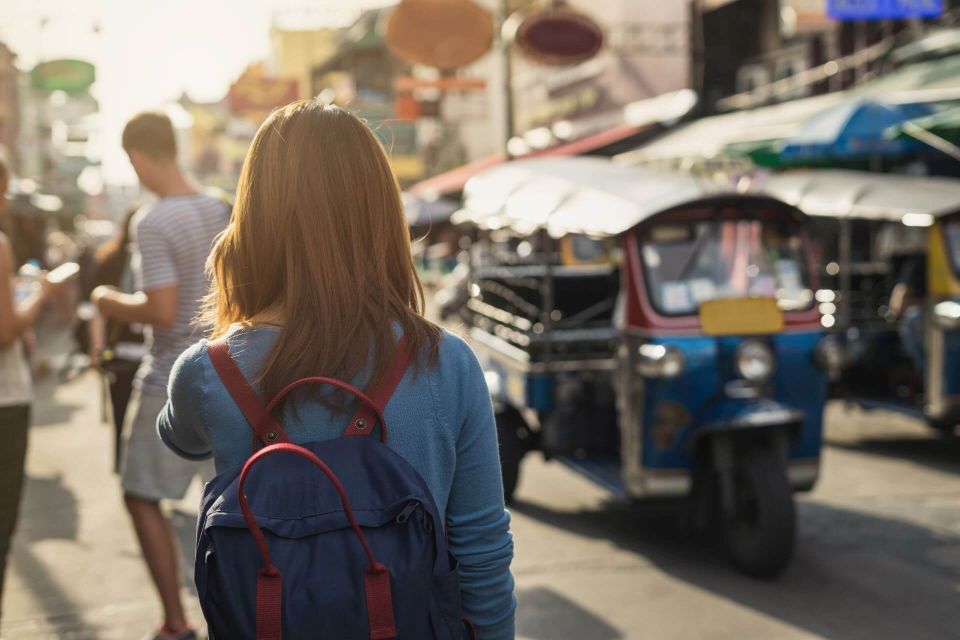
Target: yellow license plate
x=740, y=317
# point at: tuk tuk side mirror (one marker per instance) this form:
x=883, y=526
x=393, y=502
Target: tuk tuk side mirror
x=947, y=315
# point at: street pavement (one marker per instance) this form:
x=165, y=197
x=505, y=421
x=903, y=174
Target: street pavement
x=878, y=552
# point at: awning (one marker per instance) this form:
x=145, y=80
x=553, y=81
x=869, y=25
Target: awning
x=940, y=131
x=583, y=195
x=638, y=118
x=420, y=212
x=763, y=153
x=854, y=129
x=709, y=137
x=453, y=181
x=944, y=123
x=757, y=133
x=913, y=200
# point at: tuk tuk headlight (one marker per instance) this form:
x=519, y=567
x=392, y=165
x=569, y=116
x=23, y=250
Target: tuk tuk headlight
x=659, y=361
x=754, y=361
x=947, y=315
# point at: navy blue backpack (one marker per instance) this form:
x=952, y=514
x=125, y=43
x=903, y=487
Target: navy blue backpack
x=334, y=540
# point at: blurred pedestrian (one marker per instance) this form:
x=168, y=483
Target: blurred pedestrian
x=115, y=347
x=20, y=306
x=907, y=300
x=172, y=239
x=26, y=229
x=314, y=276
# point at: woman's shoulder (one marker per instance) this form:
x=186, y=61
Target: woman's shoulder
x=455, y=350
x=190, y=364
x=246, y=345
x=456, y=361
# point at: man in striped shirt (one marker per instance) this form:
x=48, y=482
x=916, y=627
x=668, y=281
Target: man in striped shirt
x=172, y=240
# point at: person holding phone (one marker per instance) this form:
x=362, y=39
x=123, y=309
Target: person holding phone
x=20, y=306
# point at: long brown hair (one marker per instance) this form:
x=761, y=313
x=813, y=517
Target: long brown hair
x=318, y=235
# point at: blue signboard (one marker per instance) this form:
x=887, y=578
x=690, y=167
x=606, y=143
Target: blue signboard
x=883, y=9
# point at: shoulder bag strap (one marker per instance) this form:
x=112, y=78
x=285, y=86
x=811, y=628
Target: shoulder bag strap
x=363, y=422
x=266, y=427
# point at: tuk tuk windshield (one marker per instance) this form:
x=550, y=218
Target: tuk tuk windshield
x=691, y=262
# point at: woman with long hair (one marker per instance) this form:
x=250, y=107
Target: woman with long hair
x=314, y=277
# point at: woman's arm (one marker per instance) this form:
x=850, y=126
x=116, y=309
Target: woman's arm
x=477, y=520
x=180, y=424
x=16, y=319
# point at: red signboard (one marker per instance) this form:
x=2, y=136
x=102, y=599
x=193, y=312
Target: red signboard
x=406, y=107
x=558, y=36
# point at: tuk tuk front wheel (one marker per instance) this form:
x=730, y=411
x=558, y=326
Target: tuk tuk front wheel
x=759, y=533
x=512, y=450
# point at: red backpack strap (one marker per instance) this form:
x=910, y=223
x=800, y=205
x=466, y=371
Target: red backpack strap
x=362, y=423
x=266, y=427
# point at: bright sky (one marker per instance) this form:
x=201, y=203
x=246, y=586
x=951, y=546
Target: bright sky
x=148, y=53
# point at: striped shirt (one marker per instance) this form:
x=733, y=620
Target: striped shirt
x=172, y=239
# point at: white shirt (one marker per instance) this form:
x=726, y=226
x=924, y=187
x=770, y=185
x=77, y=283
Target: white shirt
x=16, y=387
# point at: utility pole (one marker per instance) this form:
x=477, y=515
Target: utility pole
x=506, y=73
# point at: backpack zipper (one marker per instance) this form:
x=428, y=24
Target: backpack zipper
x=407, y=511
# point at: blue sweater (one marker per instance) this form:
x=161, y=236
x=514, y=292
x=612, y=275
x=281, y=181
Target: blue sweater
x=441, y=421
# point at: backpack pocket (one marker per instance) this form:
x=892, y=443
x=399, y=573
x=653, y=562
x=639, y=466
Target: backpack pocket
x=445, y=610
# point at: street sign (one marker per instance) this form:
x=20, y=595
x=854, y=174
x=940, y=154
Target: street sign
x=447, y=83
x=883, y=9
x=71, y=76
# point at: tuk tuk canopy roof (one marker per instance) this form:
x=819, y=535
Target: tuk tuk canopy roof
x=590, y=196
x=913, y=200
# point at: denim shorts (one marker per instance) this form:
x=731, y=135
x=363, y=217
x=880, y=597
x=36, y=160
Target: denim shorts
x=148, y=469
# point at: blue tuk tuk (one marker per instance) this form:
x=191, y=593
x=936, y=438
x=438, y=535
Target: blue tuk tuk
x=654, y=334
x=890, y=250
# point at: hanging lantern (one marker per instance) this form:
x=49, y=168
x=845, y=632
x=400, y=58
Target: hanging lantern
x=556, y=35
x=446, y=34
